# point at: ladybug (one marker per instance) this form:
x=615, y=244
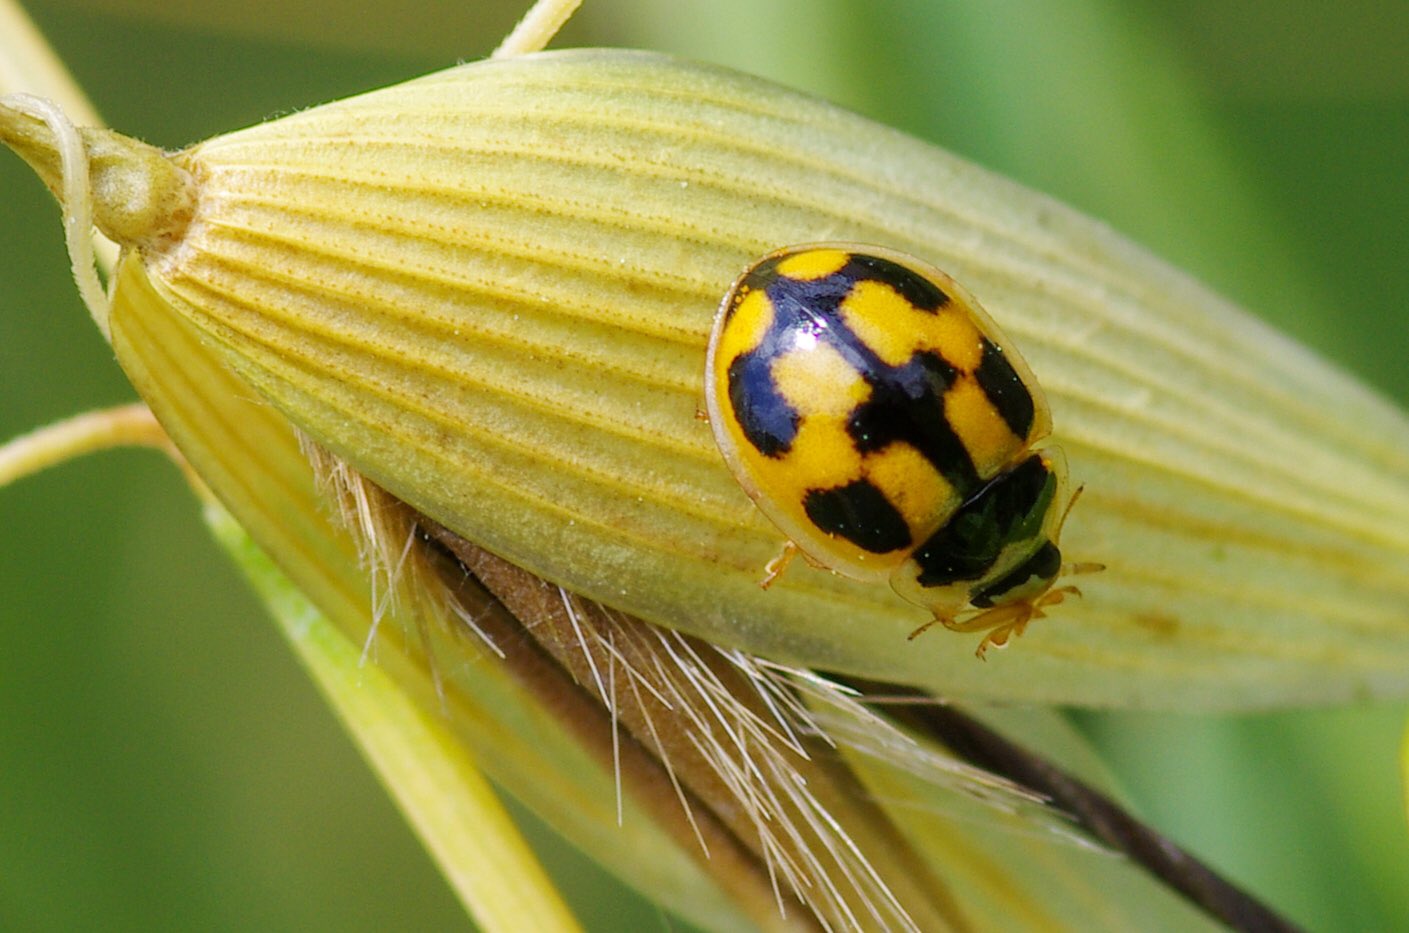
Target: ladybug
x=877, y=415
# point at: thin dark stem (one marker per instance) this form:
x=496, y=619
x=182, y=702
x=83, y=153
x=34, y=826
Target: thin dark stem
x=1092, y=810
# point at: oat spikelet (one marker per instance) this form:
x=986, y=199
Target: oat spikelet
x=490, y=291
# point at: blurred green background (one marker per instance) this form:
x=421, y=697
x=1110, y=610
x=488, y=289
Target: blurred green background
x=164, y=764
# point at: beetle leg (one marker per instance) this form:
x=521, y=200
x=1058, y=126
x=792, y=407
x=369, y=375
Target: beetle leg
x=1001, y=623
x=1001, y=634
x=775, y=567
x=937, y=620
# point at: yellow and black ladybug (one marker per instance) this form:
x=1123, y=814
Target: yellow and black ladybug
x=879, y=418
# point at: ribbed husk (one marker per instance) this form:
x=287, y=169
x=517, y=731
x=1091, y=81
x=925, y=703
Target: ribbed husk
x=490, y=290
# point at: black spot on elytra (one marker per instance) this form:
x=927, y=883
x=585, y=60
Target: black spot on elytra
x=1004, y=389
x=913, y=287
x=860, y=513
x=907, y=404
x=766, y=418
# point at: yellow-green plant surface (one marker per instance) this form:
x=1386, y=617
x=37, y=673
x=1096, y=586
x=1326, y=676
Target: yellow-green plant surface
x=509, y=336
x=1282, y=276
